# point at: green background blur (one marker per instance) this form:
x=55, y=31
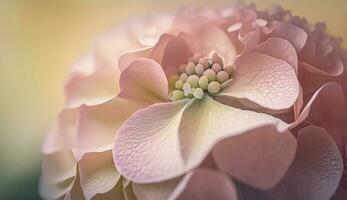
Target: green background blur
x=40, y=39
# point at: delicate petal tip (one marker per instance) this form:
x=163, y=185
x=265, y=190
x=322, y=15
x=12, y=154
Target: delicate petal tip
x=91, y=85
x=59, y=170
x=279, y=48
x=294, y=34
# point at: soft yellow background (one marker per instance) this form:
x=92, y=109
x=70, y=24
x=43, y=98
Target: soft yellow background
x=39, y=39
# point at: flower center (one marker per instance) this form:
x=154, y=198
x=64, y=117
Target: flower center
x=199, y=76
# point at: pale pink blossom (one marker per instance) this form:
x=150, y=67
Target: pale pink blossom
x=202, y=104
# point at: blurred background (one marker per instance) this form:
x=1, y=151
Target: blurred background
x=40, y=39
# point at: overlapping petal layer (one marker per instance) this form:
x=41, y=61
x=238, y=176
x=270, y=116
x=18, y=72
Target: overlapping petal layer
x=167, y=140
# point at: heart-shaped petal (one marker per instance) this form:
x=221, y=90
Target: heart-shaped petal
x=167, y=140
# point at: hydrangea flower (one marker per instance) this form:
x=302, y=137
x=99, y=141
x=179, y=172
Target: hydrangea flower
x=230, y=103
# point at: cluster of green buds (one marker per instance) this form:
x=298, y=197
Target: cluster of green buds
x=199, y=76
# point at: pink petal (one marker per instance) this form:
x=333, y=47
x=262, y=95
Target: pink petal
x=309, y=50
x=280, y=49
x=292, y=33
x=316, y=171
x=209, y=39
x=170, y=52
x=259, y=158
x=144, y=80
x=146, y=140
x=138, y=33
x=91, y=85
x=58, y=166
x=208, y=184
x=261, y=81
x=58, y=173
x=93, y=128
x=175, y=54
x=327, y=108
x=98, y=174
x=126, y=59
x=299, y=104
x=167, y=140
x=157, y=52
x=328, y=67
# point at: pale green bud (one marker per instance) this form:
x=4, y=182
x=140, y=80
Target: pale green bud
x=193, y=80
x=177, y=95
x=198, y=93
x=210, y=74
x=213, y=87
x=203, y=82
x=179, y=84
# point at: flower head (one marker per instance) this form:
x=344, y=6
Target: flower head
x=211, y=99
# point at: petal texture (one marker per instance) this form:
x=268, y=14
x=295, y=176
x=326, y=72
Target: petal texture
x=281, y=49
x=261, y=81
x=147, y=139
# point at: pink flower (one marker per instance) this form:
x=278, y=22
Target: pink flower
x=202, y=104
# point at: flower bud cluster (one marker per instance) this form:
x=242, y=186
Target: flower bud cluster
x=199, y=76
